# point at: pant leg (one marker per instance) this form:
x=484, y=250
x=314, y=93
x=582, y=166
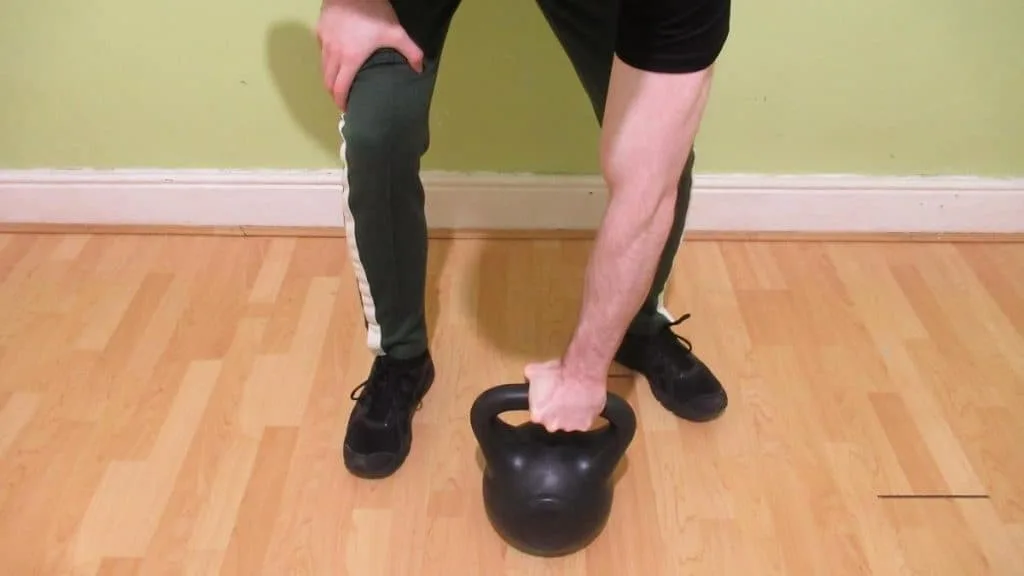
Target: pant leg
x=586, y=30
x=384, y=134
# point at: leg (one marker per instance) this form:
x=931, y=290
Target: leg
x=384, y=134
x=586, y=30
x=590, y=32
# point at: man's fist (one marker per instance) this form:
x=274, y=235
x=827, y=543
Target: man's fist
x=562, y=400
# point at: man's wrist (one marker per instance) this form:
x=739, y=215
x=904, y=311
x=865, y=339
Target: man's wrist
x=585, y=362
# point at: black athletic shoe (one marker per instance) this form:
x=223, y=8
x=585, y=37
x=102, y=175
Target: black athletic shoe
x=679, y=380
x=379, y=431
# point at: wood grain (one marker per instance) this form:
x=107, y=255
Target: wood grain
x=175, y=404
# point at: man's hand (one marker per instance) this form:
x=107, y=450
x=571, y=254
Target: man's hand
x=349, y=32
x=563, y=399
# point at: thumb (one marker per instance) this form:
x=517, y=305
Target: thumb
x=406, y=47
x=530, y=371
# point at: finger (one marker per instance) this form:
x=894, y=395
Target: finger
x=550, y=422
x=581, y=424
x=330, y=64
x=530, y=372
x=406, y=47
x=343, y=83
x=535, y=368
x=537, y=415
x=535, y=371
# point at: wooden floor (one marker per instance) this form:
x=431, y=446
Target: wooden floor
x=175, y=405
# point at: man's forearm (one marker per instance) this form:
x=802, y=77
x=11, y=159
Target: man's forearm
x=618, y=276
x=650, y=123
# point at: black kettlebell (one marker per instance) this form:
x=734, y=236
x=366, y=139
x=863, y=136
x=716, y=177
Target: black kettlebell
x=547, y=494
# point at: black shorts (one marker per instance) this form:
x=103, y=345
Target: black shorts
x=672, y=35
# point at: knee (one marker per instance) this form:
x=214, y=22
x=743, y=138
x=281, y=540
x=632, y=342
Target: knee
x=387, y=113
x=380, y=152
x=382, y=142
x=375, y=132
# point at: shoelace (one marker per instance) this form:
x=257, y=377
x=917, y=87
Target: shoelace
x=361, y=392
x=384, y=390
x=686, y=343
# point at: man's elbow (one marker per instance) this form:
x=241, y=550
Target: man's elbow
x=648, y=204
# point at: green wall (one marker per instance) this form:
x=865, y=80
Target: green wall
x=865, y=86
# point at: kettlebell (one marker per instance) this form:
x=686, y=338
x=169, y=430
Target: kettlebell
x=547, y=494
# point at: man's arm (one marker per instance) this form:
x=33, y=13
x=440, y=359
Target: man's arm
x=650, y=123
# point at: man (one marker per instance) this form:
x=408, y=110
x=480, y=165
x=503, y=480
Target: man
x=646, y=67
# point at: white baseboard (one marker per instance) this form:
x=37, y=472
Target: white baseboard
x=721, y=203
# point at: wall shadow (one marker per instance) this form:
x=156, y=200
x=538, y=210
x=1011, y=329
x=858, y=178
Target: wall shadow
x=293, y=58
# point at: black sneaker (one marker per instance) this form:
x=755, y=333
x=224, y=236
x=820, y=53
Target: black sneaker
x=379, y=431
x=679, y=380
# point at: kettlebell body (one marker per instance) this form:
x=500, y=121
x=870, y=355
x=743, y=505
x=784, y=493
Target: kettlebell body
x=547, y=494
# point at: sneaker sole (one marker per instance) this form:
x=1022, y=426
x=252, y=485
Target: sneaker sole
x=684, y=411
x=680, y=410
x=360, y=465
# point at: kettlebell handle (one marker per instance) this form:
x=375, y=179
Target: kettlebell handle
x=487, y=427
